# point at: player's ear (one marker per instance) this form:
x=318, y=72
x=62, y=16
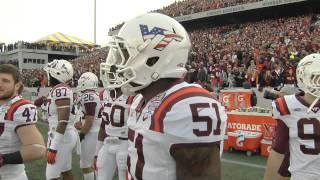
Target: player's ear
x=19, y=87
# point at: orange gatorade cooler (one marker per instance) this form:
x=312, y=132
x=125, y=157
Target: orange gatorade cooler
x=236, y=140
x=233, y=99
x=265, y=147
x=252, y=140
x=244, y=140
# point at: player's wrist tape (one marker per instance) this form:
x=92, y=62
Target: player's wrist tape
x=63, y=121
x=12, y=158
x=62, y=107
x=98, y=147
x=57, y=141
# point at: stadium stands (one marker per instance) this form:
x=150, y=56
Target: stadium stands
x=263, y=52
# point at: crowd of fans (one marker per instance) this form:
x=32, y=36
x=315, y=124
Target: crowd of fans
x=186, y=7
x=43, y=46
x=86, y=63
x=261, y=53
x=89, y=63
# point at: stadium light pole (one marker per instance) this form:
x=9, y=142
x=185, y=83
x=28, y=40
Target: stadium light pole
x=95, y=22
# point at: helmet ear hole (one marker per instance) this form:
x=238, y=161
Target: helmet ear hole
x=152, y=61
x=134, y=84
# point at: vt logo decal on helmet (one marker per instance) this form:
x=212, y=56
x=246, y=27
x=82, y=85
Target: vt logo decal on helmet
x=166, y=40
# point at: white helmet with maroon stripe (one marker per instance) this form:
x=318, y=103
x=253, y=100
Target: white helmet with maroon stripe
x=87, y=81
x=308, y=74
x=147, y=48
x=60, y=69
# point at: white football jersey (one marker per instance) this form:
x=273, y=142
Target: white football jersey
x=304, y=135
x=59, y=92
x=168, y=120
x=88, y=99
x=14, y=114
x=115, y=114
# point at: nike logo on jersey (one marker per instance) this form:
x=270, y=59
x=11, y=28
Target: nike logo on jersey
x=144, y=118
x=315, y=109
x=146, y=115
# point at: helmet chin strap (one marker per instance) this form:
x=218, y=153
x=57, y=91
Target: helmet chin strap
x=48, y=78
x=313, y=104
x=115, y=93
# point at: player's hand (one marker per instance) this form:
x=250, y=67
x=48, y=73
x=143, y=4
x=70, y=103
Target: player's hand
x=51, y=156
x=94, y=163
x=1, y=160
x=78, y=125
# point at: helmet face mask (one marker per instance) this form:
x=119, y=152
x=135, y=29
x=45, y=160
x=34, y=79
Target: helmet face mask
x=147, y=48
x=61, y=70
x=87, y=81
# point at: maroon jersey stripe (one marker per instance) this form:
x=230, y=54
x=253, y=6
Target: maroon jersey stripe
x=160, y=113
x=13, y=108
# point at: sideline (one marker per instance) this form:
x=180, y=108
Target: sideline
x=243, y=163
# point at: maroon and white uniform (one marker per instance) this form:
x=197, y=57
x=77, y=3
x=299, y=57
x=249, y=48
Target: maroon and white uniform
x=184, y=114
x=301, y=132
x=16, y=113
x=90, y=105
x=113, y=154
x=64, y=151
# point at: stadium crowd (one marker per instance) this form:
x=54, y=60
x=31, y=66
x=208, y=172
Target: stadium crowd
x=86, y=63
x=42, y=46
x=262, y=53
x=186, y=7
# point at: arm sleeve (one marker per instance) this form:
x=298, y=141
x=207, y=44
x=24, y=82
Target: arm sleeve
x=90, y=108
x=284, y=168
x=89, y=103
x=280, y=140
x=62, y=93
x=195, y=120
x=25, y=115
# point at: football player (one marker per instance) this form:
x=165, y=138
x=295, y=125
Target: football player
x=112, y=148
x=174, y=128
x=298, y=125
x=62, y=136
x=90, y=105
x=20, y=140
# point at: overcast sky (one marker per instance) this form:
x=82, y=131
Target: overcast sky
x=29, y=20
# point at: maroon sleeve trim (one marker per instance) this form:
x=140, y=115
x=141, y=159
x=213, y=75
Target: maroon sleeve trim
x=175, y=147
x=284, y=168
x=62, y=100
x=280, y=142
x=90, y=108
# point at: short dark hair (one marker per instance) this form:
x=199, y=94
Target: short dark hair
x=12, y=70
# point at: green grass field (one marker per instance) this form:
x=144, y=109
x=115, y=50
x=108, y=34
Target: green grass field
x=235, y=166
